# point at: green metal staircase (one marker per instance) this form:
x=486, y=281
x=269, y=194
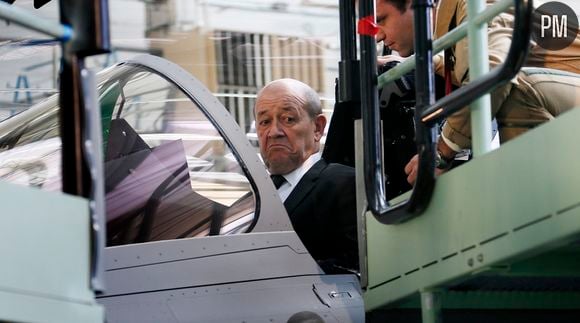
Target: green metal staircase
x=501, y=232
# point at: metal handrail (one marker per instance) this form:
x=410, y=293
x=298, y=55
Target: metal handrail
x=423, y=189
x=374, y=181
x=446, y=41
x=515, y=59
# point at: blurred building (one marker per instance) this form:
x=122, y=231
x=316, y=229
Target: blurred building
x=233, y=47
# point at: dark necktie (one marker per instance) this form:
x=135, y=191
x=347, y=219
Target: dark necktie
x=278, y=180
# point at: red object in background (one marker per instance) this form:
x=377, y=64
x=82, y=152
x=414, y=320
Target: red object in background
x=367, y=26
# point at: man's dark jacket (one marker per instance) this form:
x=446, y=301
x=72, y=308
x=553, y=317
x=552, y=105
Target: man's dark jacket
x=322, y=208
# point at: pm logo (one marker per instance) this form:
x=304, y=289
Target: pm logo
x=555, y=25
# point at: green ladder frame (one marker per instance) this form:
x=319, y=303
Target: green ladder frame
x=512, y=212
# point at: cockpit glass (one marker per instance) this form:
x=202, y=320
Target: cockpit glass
x=169, y=173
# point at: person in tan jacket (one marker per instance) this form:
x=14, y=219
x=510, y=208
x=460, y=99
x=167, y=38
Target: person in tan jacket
x=547, y=85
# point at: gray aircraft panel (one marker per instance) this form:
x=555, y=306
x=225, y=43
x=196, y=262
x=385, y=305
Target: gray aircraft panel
x=162, y=265
x=273, y=300
x=166, y=251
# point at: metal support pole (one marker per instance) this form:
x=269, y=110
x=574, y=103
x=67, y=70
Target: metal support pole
x=431, y=306
x=348, y=66
x=479, y=65
x=80, y=173
x=76, y=179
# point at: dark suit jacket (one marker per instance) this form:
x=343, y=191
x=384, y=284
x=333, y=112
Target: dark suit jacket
x=322, y=208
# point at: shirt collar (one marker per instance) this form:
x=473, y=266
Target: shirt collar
x=296, y=175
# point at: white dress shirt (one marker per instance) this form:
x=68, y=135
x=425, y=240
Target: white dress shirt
x=295, y=176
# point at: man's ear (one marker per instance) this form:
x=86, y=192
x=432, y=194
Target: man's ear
x=319, y=124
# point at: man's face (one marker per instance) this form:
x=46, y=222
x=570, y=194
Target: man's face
x=286, y=133
x=395, y=28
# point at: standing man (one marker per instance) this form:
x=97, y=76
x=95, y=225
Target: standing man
x=319, y=197
x=547, y=86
